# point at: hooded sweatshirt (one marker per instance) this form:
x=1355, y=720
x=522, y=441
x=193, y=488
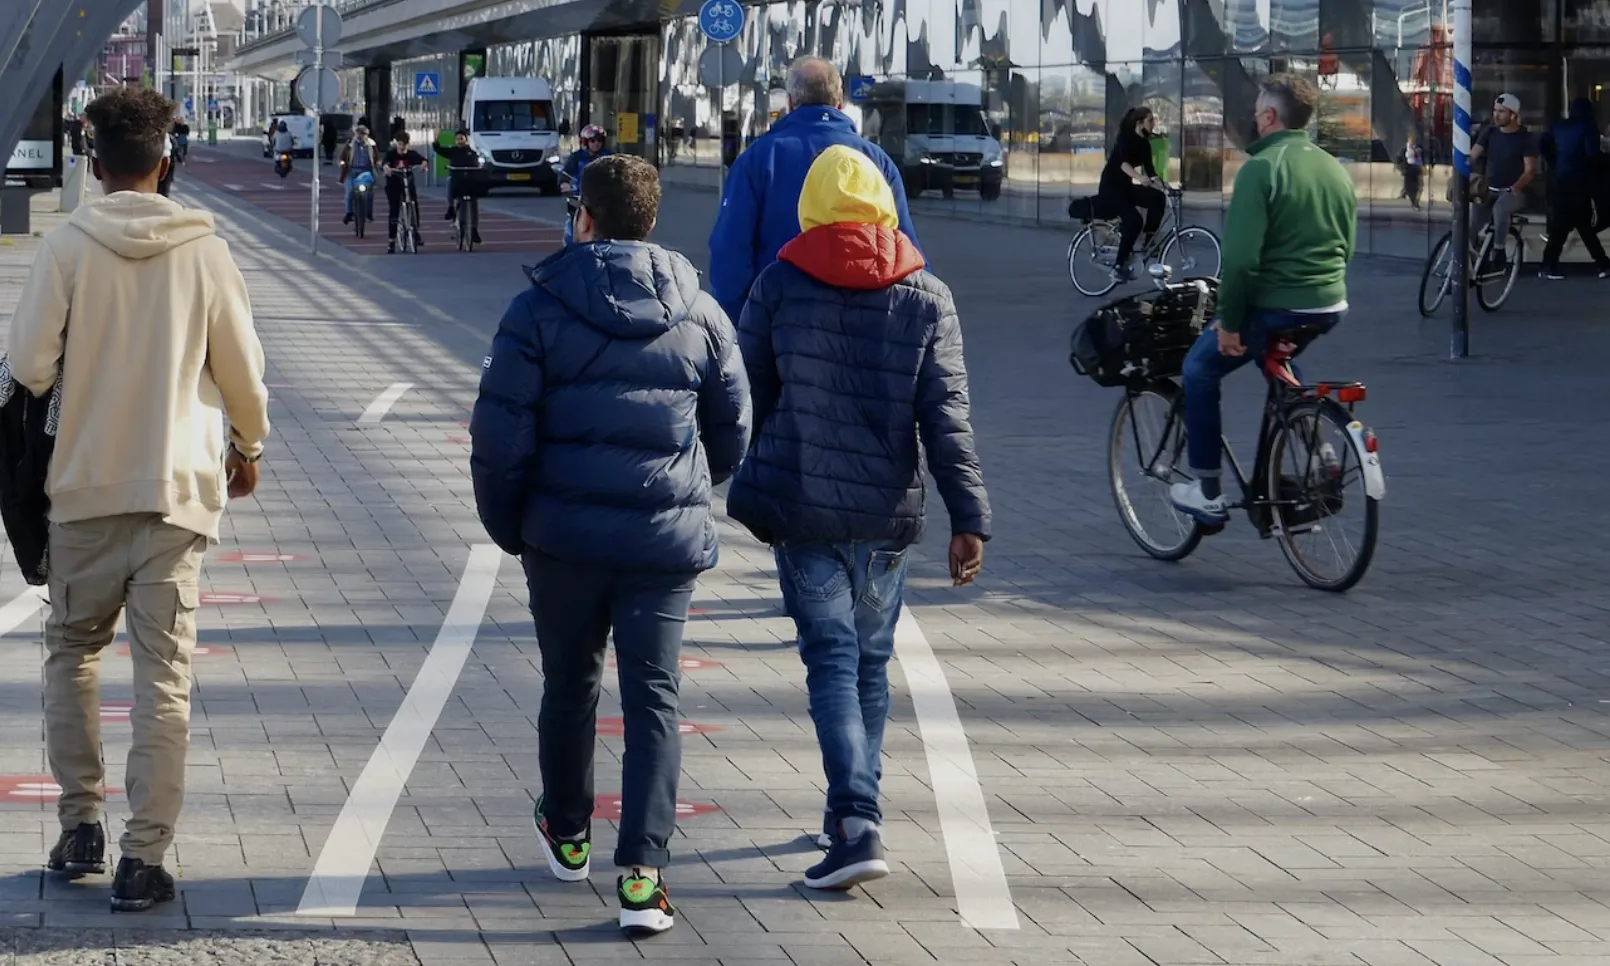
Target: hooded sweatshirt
x=854, y=355
x=160, y=347
x=1572, y=146
x=612, y=402
x=758, y=205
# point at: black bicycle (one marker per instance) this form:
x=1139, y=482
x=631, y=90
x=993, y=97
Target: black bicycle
x=466, y=208
x=1315, y=471
x=407, y=235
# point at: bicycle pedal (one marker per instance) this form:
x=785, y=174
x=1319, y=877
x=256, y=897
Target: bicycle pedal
x=1209, y=529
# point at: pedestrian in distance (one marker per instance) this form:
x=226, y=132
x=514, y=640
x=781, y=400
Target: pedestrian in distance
x=759, y=205
x=612, y=402
x=854, y=356
x=1414, y=164
x=160, y=349
x=1572, y=149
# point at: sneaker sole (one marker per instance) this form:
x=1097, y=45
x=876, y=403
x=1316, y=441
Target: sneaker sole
x=851, y=875
x=638, y=923
x=137, y=905
x=1203, y=518
x=78, y=870
x=559, y=870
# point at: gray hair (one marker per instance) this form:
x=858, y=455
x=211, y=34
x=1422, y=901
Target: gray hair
x=812, y=80
x=1293, y=98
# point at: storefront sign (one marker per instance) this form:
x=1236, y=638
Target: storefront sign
x=32, y=156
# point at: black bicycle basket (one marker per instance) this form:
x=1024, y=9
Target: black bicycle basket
x=1144, y=336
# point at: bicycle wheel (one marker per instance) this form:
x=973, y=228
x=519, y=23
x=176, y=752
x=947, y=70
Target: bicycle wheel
x=1325, y=519
x=1091, y=256
x=359, y=216
x=1492, y=290
x=466, y=233
x=1144, y=448
x=405, y=229
x=1192, y=253
x=1436, y=281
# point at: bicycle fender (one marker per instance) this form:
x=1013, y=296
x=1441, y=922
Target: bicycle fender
x=1374, y=478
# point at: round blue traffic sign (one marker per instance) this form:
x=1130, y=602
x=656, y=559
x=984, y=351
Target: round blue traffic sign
x=722, y=20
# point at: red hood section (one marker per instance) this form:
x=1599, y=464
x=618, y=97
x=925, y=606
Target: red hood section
x=865, y=257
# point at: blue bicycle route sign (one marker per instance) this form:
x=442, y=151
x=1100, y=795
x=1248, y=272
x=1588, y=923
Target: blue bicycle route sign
x=722, y=20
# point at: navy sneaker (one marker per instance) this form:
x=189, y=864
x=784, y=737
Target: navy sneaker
x=849, y=863
x=80, y=851
x=137, y=886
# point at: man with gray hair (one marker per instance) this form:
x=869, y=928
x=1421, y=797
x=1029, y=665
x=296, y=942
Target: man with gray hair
x=760, y=203
x=1288, y=236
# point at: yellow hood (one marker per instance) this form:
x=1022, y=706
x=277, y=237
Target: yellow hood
x=845, y=187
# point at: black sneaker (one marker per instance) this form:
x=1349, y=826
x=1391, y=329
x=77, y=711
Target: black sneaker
x=645, y=906
x=451, y=213
x=80, y=852
x=1552, y=274
x=849, y=864
x=347, y=219
x=475, y=236
x=137, y=886
x=570, y=860
x=391, y=248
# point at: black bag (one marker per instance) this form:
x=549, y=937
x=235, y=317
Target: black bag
x=1082, y=209
x=27, y=440
x=1145, y=336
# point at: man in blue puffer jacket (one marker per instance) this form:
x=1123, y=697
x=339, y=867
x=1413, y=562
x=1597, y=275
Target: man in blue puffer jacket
x=759, y=204
x=1575, y=158
x=613, y=400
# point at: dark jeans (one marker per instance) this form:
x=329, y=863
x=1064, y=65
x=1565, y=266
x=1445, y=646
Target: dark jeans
x=1206, y=367
x=1572, y=210
x=1128, y=208
x=1411, y=185
x=845, y=601
x=576, y=606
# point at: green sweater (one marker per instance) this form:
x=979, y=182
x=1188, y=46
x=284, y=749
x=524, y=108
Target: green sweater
x=1289, y=232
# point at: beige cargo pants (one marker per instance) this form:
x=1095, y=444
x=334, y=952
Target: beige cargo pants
x=97, y=568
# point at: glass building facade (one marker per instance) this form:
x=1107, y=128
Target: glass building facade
x=1056, y=75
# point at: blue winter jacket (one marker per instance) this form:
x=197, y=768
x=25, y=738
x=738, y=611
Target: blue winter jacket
x=1572, y=145
x=613, y=400
x=760, y=205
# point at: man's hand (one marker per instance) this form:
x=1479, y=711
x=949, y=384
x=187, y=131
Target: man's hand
x=1230, y=343
x=242, y=475
x=966, y=558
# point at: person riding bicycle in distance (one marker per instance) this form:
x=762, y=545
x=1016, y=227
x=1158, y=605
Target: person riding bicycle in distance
x=459, y=182
x=593, y=141
x=401, y=159
x=1288, y=236
x=1129, y=183
x=1506, y=153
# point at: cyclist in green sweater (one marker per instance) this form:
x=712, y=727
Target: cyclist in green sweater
x=1288, y=237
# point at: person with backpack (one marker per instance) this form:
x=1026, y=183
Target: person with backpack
x=1572, y=149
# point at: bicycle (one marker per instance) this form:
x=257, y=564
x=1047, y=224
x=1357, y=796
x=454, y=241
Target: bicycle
x=467, y=210
x=363, y=201
x=1492, y=285
x=407, y=239
x=1096, y=246
x=1312, y=453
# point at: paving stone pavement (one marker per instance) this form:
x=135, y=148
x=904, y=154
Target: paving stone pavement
x=1200, y=763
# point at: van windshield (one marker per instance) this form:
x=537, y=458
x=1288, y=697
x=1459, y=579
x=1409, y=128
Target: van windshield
x=513, y=116
x=945, y=119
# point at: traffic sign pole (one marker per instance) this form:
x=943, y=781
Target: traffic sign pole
x=722, y=21
x=318, y=117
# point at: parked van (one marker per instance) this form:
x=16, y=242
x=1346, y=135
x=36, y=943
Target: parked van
x=513, y=128
x=304, y=134
x=936, y=132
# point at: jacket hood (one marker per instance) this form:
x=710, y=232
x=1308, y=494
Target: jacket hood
x=136, y=225
x=1582, y=110
x=815, y=115
x=631, y=289
x=860, y=257
x=843, y=186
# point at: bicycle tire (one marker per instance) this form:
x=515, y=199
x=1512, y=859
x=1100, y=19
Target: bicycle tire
x=1494, y=303
x=1196, y=232
x=1331, y=412
x=405, y=229
x=1439, y=252
x=1124, y=433
x=358, y=217
x=466, y=234
x=1087, y=235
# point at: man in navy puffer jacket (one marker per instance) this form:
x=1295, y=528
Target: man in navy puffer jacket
x=1575, y=158
x=613, y=400
x=759, y=205
x=854, y=355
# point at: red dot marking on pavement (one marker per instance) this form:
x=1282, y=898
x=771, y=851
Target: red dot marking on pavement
x=225, y=598
x=257, y=556
x=202, y=650
x=696, y=612
x=460, y=440
x=616, y=727
x=116, y=711
x=688, y=663
x=608, y=808
x=43, y=788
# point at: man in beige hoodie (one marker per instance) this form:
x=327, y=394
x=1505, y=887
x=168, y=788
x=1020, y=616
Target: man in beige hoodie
x=137, y=306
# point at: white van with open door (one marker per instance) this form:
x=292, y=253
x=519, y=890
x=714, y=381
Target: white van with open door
x=513, y=128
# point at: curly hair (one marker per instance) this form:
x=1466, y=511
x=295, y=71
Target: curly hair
x=131, y=130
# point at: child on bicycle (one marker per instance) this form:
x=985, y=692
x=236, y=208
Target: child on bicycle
x=461, y=159
x=399, y=163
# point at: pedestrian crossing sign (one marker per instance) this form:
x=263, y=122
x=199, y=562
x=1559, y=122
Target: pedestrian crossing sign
x=427, y=83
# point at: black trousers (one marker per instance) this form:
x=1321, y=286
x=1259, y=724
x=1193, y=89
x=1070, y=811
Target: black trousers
x=575, y=607
x=1572, y=210
x=1135, y=198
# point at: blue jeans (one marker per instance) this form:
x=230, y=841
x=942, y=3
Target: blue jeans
x=845, y=601
x=576, y=606
x=1206, y=367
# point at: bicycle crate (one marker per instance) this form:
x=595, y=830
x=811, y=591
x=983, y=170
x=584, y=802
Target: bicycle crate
x=1145, y=336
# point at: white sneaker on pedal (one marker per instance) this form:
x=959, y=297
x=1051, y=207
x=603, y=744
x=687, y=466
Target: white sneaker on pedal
x=1188, y=498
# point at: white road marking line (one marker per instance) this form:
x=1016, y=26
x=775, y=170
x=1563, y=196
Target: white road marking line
x=235, y=187
x=20, y=608
x=982, y=895
x=273, y=187
x=377, y=410
x=343, y=865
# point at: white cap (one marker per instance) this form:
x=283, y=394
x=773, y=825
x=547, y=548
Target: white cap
x=1509, y=102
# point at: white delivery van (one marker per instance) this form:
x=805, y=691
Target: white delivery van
x=936, y=132
x=513, y=128
x=304, y=130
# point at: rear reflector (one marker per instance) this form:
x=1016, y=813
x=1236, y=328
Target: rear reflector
x=1350, y=394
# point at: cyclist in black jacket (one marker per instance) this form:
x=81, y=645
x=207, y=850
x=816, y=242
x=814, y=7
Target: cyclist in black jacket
x=1129, y=183
x=400, y=161
x=462, y=183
